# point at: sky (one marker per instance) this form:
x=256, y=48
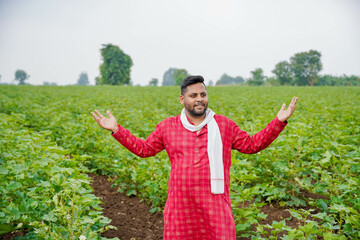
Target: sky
x=57, y=40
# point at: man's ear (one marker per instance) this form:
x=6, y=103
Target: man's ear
x=182, y=99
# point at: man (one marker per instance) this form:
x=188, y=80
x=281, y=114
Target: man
x=199, y=145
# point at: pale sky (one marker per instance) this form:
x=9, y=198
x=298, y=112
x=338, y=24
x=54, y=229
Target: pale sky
x=56, y=40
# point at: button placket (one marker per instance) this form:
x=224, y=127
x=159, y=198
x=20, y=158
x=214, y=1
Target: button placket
x=196, y=149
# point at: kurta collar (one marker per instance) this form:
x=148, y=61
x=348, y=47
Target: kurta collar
x=202, y=131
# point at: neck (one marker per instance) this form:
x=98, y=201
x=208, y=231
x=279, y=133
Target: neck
x=196, y=120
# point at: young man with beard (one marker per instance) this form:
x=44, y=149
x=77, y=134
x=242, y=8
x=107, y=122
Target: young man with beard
x=199, y=144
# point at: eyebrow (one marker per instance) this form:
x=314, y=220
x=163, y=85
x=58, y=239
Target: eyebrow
x=197, y=93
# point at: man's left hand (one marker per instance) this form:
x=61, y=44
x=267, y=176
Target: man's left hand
x=283, y=114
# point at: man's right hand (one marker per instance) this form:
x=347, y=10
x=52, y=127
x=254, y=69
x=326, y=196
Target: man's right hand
x=106, y=123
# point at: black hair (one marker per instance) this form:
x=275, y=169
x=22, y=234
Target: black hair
x=189, y=81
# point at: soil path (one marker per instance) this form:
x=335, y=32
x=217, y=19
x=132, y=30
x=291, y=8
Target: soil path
x=131, y=216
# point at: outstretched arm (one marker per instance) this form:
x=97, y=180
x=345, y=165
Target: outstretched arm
x=245, y=143
x=142, y=148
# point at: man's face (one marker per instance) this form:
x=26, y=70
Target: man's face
x=195, y=99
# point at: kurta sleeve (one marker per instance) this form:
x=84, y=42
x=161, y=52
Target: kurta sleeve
x=142, y=148
x=245, y=143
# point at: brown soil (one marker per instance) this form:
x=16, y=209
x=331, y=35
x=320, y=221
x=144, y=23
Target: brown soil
x=12, y=235
x=131, y=216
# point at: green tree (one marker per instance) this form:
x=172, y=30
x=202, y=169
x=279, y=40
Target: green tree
x=228, y=80
x=283, y=73
x=115, y=69
x=174, y=76
x=306, y=66
x=168, y=78
x=273, y=81
x=180, y=75
x=83, y=79
x=348, y=80
x=49, y=83
x=239, y=80
x=344, y=80
x=224, y=80
x=97, y=80
x=257, y=77
x=327, y=80
x=211, y=83
x=154, y=82
x=21, y=76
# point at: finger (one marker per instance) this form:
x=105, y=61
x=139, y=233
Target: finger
x=293, y=103
x=109, y=114
x=100, y=115
x=283, y=106
x=94, y=115
x=292, y=106
x=97, y=119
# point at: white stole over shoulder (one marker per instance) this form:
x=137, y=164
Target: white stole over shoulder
x=214, y=149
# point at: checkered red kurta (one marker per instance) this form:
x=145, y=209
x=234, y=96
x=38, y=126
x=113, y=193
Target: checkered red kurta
x=192, y=212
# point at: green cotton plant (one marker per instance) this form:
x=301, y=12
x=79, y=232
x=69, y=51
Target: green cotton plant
x=273, y=231
x=308, y=227
x=70, y=217
x=43, y=191
x=348, y=219
x=328, y=227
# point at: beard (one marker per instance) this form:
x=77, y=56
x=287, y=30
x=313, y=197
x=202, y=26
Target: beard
x=196, y=113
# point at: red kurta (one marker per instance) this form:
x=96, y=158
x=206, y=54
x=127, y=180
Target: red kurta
x=192, y=211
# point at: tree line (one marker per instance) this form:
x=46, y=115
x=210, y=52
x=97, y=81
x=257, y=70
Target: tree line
x=302, y=69
x=21, y=76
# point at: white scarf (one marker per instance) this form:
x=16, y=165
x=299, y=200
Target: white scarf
x=214, y=149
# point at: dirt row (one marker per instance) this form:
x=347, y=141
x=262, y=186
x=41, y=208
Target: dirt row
x=129, y=215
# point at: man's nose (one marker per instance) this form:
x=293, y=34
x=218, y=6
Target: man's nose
x=199, y=98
